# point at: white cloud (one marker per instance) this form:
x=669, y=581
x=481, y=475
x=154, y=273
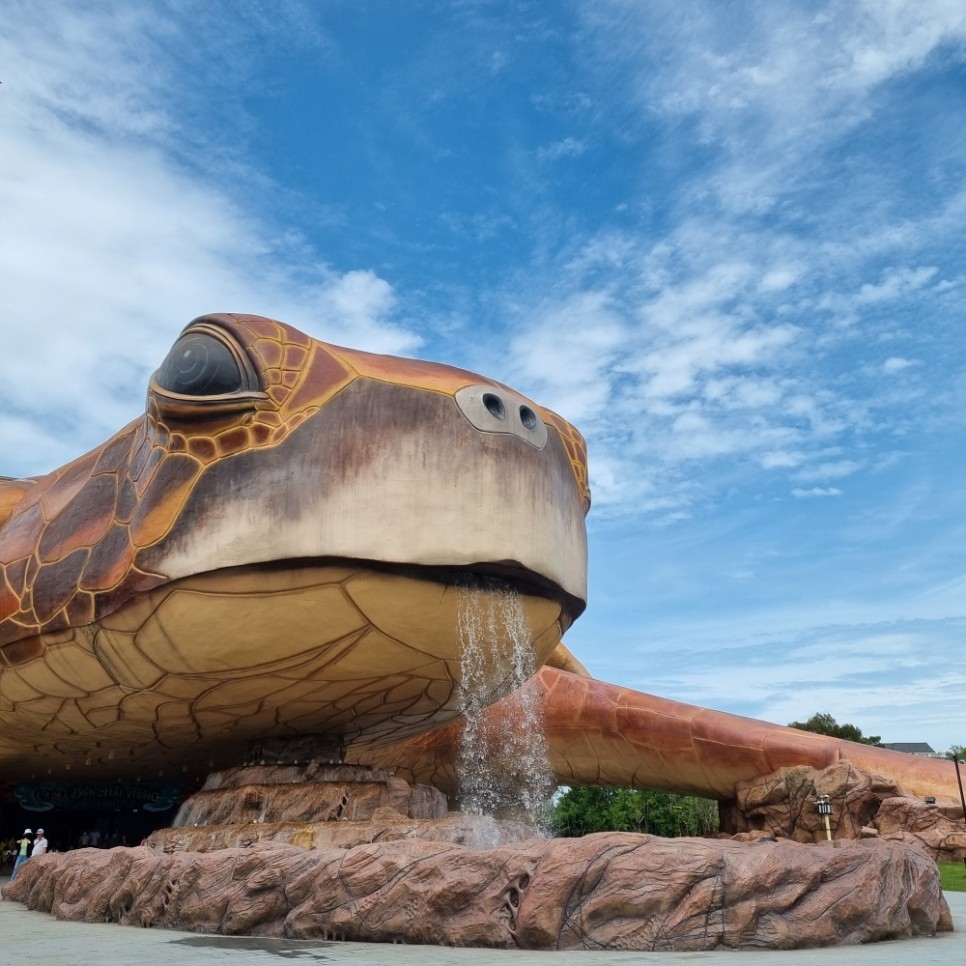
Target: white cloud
x=708, y=346
x=781, y=459
x=677, y=356
x=832, y=470
x=565, y=352
x=780, y=278
x=770, y=87
x=569, y=147
x=111, y=244
x=816, y=491
x=896, y=364
x=779, y=61
x=895, y=283
x=361, y=303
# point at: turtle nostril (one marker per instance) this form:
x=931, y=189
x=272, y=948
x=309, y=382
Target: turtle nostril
x=494, y=405
x=528, y=417
x=502, y=412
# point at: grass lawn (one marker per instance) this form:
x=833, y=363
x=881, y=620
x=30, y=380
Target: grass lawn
x=953, y=876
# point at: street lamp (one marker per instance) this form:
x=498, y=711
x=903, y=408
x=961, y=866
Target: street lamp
x=962, y=799
x=825, y=810
x=959, y=780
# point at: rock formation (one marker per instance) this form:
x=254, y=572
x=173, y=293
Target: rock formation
x=783, y=804
x=309, y=793
x=606, y=891
x=322, y=851
x=318, y=806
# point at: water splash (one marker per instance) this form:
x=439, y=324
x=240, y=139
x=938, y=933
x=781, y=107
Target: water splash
x=504, y=767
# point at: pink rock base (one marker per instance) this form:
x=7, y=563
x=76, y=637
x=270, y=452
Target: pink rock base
x=606, y=891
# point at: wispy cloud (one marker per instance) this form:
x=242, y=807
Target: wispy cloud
x=113, y=242
x=816, y=491
x=745, y=326
x=569, y=147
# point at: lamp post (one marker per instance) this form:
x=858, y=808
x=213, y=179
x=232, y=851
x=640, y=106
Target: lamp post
x=959, y=780
x=962, y=798
x=825, y=810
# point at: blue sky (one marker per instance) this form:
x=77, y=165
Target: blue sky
x=726, y=240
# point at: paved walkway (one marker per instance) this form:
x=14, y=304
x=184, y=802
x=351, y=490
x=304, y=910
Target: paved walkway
x=36, y=939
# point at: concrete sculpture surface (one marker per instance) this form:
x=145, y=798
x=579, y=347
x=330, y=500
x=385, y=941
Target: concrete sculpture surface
x=261, y=580
x=274, y=549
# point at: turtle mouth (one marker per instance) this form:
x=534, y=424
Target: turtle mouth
x=510, y=573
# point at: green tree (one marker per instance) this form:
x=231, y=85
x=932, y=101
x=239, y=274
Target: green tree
x=580, y=811
x=957, y=751
x=825, y=724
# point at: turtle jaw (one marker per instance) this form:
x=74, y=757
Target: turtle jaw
x=480, y=575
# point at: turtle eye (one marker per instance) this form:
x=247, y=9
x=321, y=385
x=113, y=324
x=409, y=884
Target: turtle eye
x=200, y=365
x=206, y=371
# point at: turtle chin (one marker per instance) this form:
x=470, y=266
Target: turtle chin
x=341, y=648
x=185, y=676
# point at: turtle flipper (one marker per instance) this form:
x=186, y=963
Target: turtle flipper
x=604, y=734
x=12, y=491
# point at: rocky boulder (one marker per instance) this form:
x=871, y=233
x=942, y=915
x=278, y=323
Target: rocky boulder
x=784, y=804
x=606, y=891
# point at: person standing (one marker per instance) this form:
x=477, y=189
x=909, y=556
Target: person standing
x=22, y=856
x=40, y=844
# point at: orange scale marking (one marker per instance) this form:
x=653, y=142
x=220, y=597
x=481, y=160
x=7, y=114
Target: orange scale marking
x=9, y=601
x=69, y=483
x=269, y=351
x=21, y=530
x=323, y=377
x=261, y=434
x=432, y=376
x=232, y=441
x=294, y=357
x=203, y=448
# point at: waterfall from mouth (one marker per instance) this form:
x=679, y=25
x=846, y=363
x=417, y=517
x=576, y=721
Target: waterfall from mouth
x=504, y=769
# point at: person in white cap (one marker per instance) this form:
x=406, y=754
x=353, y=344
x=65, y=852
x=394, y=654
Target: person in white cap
x=22, y=855
x=40, y=844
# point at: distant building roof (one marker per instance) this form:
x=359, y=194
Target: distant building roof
x=910, y=747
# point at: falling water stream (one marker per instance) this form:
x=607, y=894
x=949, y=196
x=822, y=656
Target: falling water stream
x=504, y=769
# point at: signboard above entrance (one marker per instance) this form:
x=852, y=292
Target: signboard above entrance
x=95, y=796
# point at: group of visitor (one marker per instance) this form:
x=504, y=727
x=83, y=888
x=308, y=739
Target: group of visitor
x=14, y=850
x=27, y=846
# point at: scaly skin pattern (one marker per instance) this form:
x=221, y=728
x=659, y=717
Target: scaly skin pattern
x=272, y=553
x=274, y=556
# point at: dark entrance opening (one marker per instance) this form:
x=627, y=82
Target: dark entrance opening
x=78, y=814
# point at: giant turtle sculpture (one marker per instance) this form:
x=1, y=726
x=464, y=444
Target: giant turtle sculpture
x=275, y=549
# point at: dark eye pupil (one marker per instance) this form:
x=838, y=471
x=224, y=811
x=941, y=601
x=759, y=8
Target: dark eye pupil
x=200, y=365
